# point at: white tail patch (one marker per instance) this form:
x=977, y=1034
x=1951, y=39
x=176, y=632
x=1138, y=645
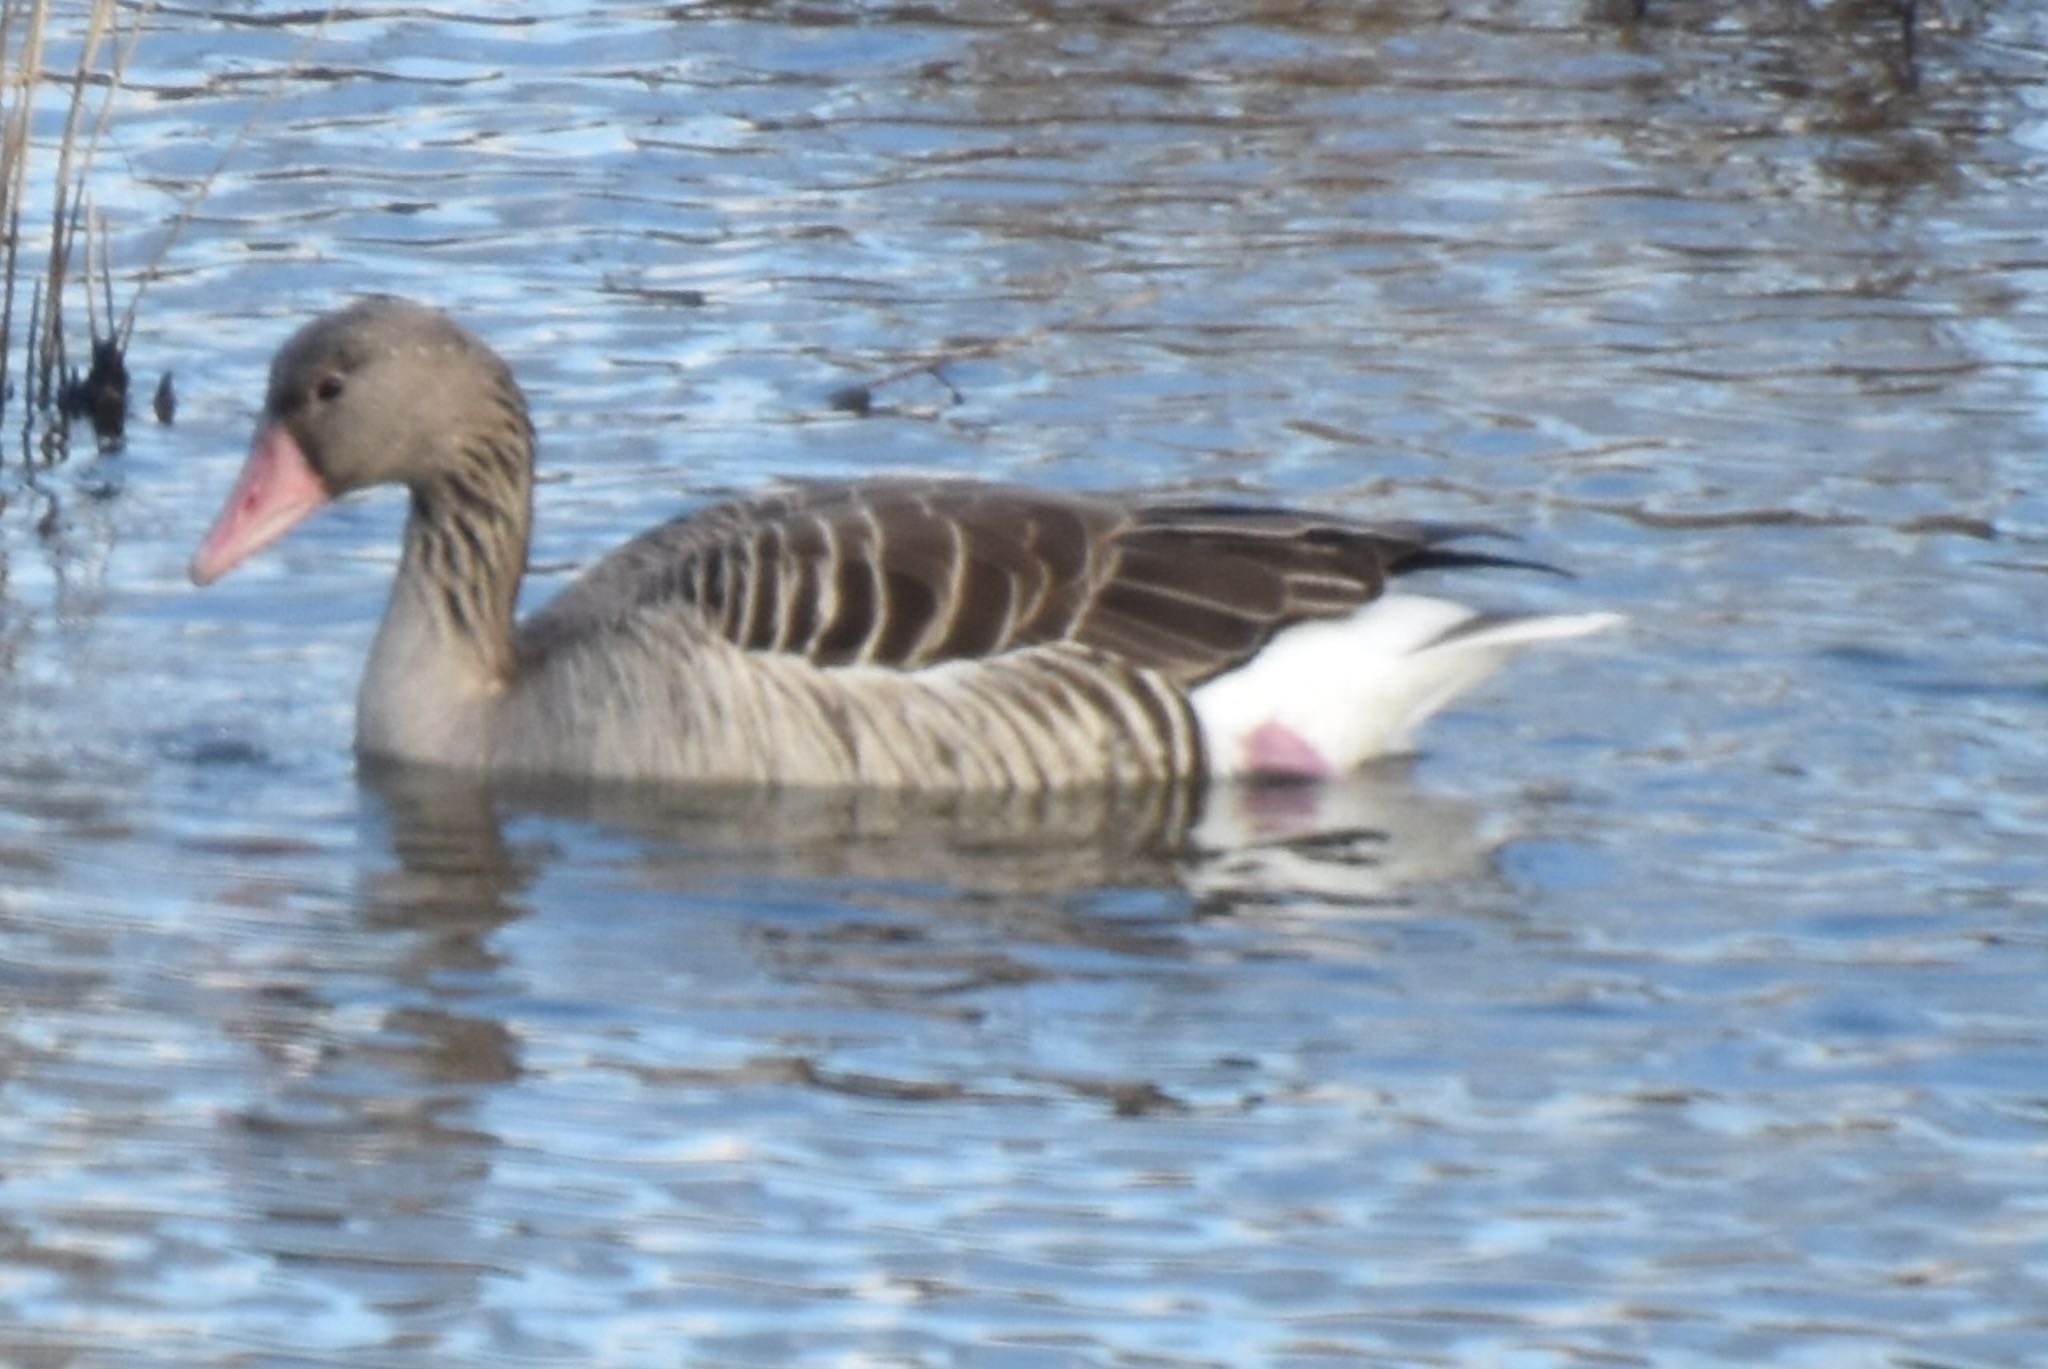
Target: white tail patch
x=1325, y=697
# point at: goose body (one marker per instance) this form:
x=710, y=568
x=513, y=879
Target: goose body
x=907, y=633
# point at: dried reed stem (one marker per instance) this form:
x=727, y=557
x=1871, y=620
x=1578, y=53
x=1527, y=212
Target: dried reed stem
x=66, y=193
x=14, y=158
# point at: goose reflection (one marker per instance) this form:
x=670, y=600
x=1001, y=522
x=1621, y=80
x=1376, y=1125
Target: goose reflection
x=468, y=848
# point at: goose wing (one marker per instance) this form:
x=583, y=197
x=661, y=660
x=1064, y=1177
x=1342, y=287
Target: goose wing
x=910, y=573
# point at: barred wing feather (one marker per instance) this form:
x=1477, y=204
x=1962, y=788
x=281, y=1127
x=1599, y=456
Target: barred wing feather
x=911, y=573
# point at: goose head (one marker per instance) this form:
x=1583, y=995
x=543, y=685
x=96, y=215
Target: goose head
x=383, y=391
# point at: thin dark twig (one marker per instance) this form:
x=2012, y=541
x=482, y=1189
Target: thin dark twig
x=28, y=373
x=106, y=277
x=81, y=220
x=995, y=347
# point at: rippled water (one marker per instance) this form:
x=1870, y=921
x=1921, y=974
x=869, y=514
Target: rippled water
x=1682, y=1004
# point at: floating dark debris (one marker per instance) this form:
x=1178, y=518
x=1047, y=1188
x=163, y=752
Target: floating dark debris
x=680, y=297
x=858, y=400
x=166, y=402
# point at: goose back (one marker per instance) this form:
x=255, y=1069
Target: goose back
x=910, y=573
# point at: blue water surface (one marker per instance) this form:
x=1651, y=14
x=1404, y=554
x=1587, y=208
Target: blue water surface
x=1681, y=1004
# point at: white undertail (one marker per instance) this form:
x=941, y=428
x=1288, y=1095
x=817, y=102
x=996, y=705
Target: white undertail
x=1324, y=697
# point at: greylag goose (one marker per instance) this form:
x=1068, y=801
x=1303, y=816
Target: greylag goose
x=909, y=633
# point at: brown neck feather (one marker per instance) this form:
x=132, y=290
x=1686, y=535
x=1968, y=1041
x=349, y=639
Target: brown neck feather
x=466, y=539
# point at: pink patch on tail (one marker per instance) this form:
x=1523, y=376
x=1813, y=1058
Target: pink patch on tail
x=1273, y=749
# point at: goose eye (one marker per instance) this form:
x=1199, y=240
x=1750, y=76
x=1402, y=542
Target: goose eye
x=328, y=387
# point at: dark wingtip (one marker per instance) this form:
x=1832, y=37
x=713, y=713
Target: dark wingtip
x=1433, y=553
x=1409, y=545
x=1449, y=558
